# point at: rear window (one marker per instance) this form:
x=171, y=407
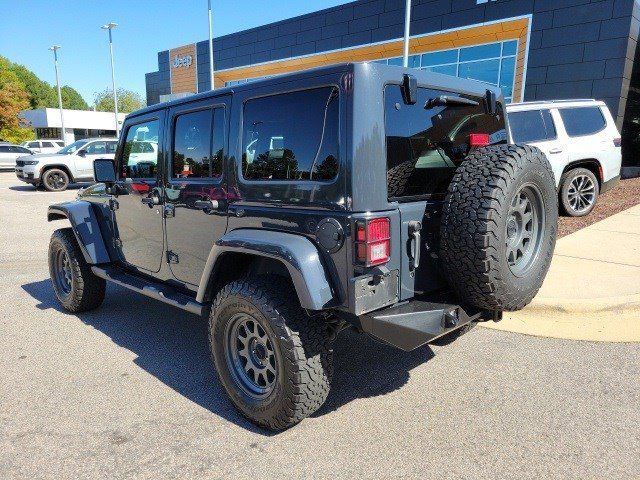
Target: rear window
x=424, y=146
x=532, y=126
x=291, y=136
x=582, y=121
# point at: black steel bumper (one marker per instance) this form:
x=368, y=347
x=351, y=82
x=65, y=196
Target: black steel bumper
x=412, y=324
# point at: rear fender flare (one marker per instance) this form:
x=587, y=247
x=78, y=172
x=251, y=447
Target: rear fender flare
x=84, y=224
x=297, y=253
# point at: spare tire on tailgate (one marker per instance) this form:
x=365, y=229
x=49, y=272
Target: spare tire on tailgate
x=499, y=224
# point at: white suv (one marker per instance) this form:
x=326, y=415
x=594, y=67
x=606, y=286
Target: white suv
x=43, y=146
x=74, y=163
x=580, y=140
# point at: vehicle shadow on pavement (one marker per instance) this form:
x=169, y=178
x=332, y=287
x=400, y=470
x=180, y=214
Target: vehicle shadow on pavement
x=172, y=345
x=31, y=188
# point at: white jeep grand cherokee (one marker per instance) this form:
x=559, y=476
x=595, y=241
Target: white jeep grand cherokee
x=73, y=163
x=582, y=144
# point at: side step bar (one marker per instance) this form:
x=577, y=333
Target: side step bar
x=412, y=324
x=151, y=289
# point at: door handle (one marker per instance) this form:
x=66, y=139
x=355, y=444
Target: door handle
x=206, y=204
x=555, y=150
x=416, y=240
x=151, y=201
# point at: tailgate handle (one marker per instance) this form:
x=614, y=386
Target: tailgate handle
x=414, y=232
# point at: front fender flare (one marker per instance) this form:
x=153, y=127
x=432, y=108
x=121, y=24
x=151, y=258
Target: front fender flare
x=84, y=224
x=298, y=254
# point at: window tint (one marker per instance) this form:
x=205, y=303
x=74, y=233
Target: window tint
x=47, y=144
x=137, y=160
x=21, y=150
x=112, y=147
x=34, y=144
x=582, y=120
x=4, y=149
x=424, y=147
x=292, y=136
x=198, y=144
x=96, y=148
x=532, y=126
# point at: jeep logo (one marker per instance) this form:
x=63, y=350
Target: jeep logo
x=182, y=61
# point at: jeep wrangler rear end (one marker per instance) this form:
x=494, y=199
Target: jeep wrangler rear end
x=360, y=195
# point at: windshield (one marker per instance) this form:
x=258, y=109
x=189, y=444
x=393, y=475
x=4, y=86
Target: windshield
x=74, y=147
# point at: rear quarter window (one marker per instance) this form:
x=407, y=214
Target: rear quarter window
x=581, y=121
x=532, y=126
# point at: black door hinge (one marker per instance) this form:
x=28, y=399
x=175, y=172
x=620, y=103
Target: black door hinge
x=172, y=257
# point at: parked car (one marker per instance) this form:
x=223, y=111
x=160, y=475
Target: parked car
x=9, y=153
x=364, y=196
x=582, y=142
x=43, y=146
x=73, y=163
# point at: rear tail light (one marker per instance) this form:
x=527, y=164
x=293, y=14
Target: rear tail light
x=617, y=142
x=479, y=139
x=373, y=244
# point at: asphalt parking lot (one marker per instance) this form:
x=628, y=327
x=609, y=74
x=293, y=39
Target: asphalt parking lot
x=129, y=391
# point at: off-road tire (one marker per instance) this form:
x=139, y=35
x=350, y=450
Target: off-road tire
x=303, y=350
x=565, y=184
x=86, y=290
x=51, y=186
x=473, y=235
x=398, y=176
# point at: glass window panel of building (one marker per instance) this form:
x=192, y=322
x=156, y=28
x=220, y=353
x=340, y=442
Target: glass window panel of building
x=492, y=63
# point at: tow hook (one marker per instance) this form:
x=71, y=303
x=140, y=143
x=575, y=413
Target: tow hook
x=451, y=318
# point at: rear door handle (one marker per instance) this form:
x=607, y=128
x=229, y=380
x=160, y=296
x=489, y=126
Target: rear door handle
x=206, y=204
x=416, y=240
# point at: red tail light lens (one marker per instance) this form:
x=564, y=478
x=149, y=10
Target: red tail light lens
x=373, y=244
x=479, y=139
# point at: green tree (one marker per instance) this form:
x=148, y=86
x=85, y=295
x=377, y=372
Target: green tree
x=128, y=101
x=72, y=99
x=13, y=99
x=41, y=94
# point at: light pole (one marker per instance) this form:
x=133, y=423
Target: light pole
x=407, y=25
x=110, y=26
x=54, y=49
x=211, y=77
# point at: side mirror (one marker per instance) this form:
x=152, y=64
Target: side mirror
x=82, y=153
x=104, y=171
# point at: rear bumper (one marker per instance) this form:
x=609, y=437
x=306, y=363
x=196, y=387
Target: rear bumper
x=409, y=325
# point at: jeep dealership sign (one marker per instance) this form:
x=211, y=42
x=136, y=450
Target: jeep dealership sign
x=182, y=61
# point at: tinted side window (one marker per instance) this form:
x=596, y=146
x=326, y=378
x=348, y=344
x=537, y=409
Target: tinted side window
x=96, y=148
x=111, y=147
x=34, y=145
x=47, y=144
x=4, y=149
x=291, y=136
x=424, y=146
x=197, y=147
x=137, y=163
x=532, y=126
x=22, y=150
x=582, y=120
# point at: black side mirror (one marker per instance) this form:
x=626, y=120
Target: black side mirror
x=82, y=153
x=104, y=171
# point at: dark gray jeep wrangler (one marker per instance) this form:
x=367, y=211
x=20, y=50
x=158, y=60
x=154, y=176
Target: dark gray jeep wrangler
x=365, y=196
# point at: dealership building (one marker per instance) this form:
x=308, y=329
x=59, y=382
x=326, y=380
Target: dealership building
x=532, y=49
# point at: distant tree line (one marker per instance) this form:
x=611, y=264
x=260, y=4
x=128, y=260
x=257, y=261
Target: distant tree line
x=21, y=89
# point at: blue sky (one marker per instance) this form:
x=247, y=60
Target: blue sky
x=145, y=27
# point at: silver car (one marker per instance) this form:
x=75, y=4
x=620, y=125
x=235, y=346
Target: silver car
x=9, y=153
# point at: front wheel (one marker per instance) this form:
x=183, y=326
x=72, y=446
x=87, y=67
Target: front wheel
x=75, y=285
x=55, y=180
x=274, y=361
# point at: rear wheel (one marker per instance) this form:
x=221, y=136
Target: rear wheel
x=499, y=225
x=274, y=361
x=579, y=190
x=55, y=180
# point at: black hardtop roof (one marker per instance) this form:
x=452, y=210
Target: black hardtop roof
x=385, y=73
